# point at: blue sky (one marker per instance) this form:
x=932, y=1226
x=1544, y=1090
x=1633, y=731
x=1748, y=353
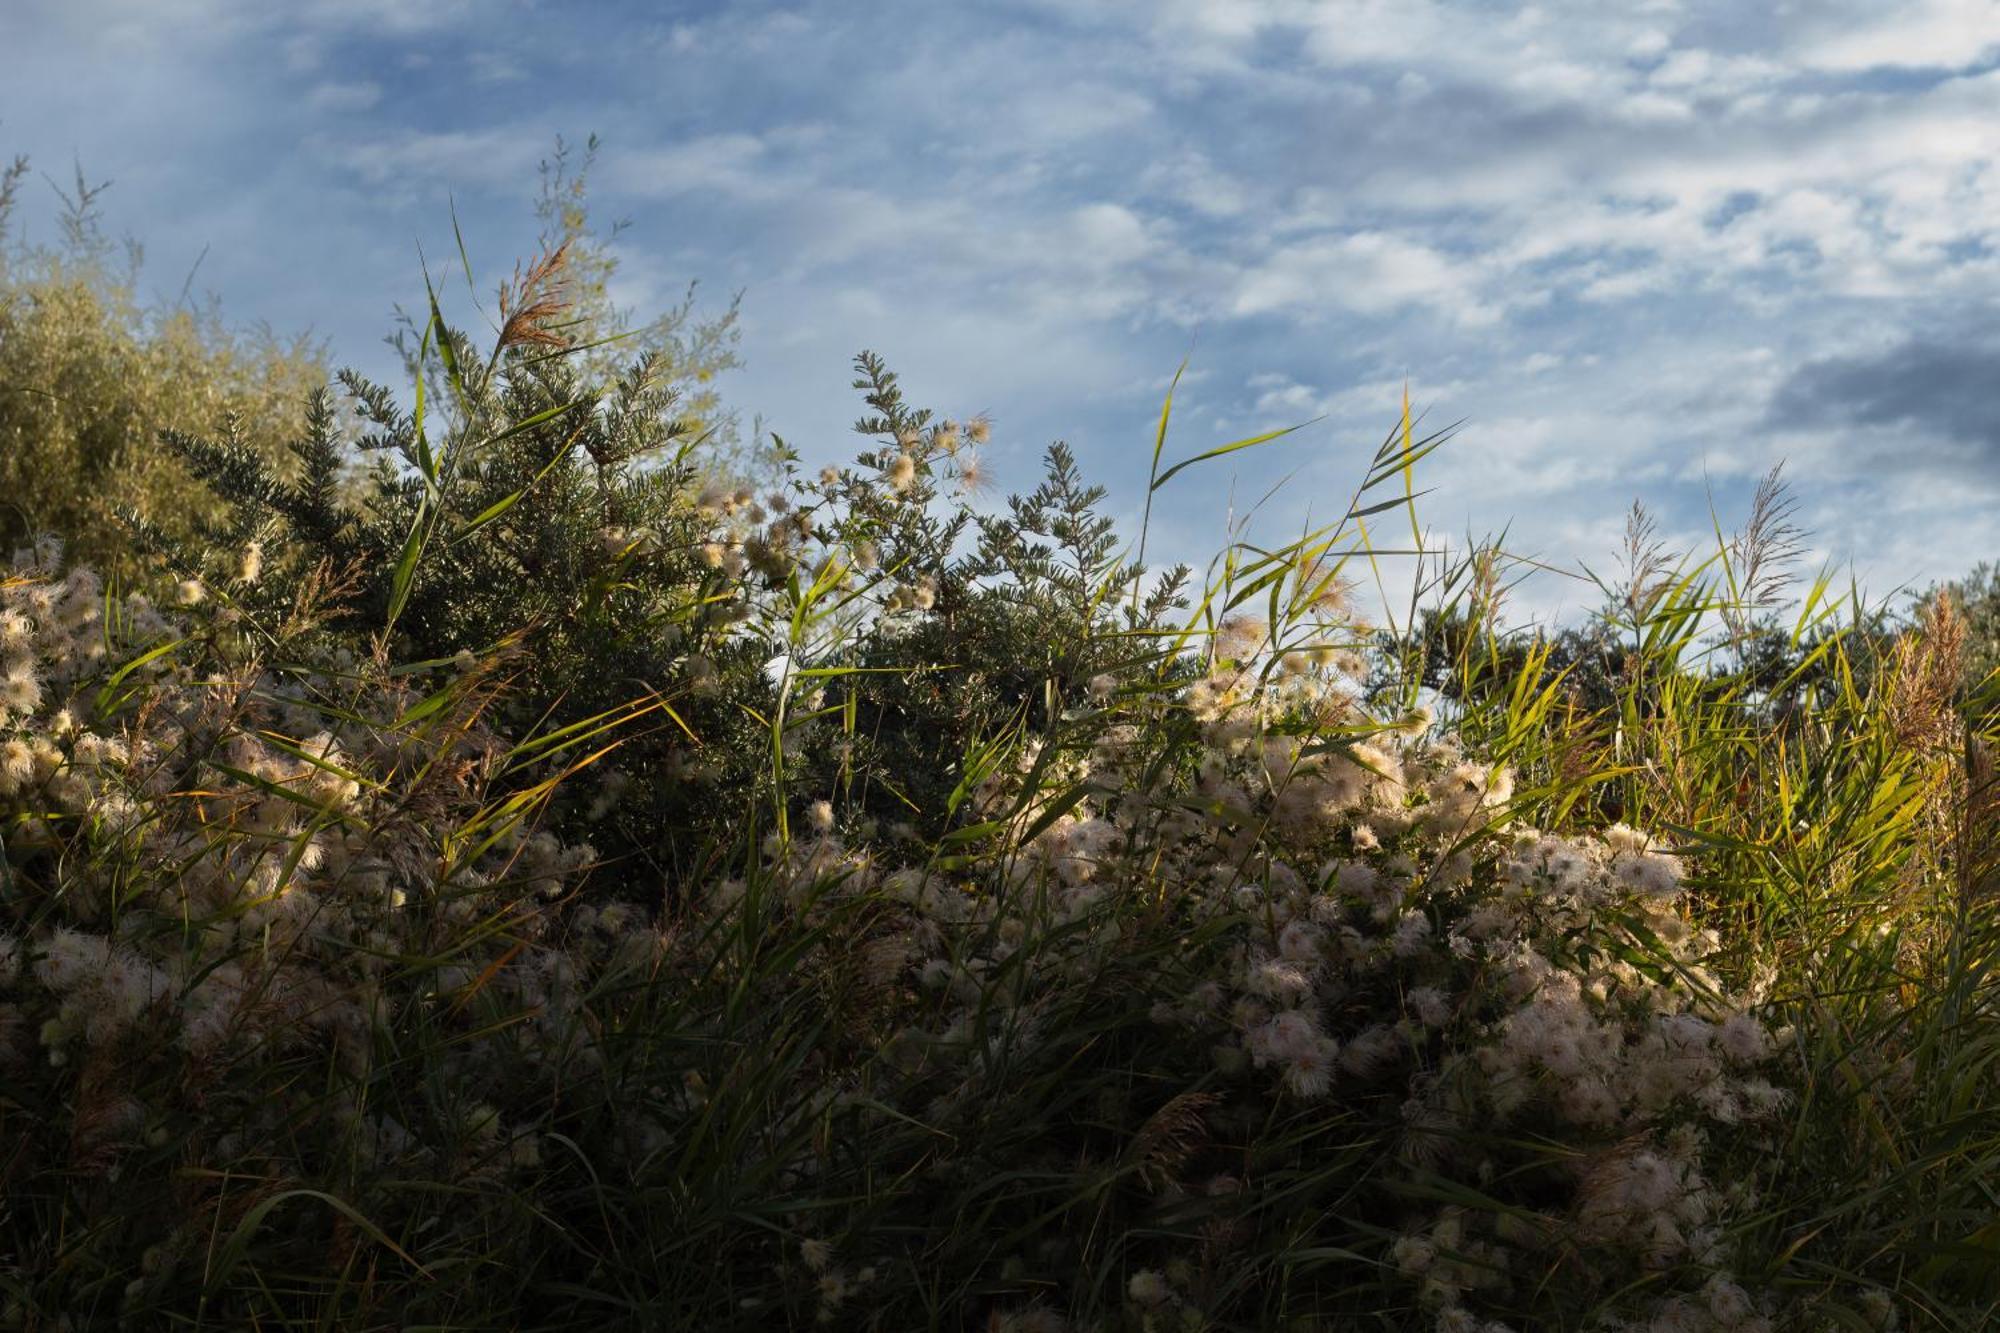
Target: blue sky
x=1645, y=250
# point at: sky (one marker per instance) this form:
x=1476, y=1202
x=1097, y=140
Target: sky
x=1642, y=250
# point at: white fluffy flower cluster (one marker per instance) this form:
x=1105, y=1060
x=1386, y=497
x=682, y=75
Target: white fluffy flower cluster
x=1394, y=939
x=230, y=863
x=243, y=866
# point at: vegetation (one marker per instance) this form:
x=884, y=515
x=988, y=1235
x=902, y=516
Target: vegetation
x=89, y=376
x=484, y=870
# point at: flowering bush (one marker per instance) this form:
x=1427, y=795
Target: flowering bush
x=263, y=891
x=222, y=876
x=1356, y=924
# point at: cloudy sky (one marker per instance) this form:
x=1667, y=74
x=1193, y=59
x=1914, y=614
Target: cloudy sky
x=1644, y=249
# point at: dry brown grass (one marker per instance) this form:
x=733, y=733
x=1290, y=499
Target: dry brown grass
x=536, y=303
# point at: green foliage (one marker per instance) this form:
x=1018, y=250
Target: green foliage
x=1016, y=626
x=551, y=515
x=89, y=375
x=686, y=353
x=1832, y=778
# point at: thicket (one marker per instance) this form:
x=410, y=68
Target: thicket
x=93, y=370
x=526, y=880
x=90, y=373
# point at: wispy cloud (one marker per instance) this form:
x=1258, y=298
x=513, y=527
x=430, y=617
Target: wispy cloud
x=333, y=95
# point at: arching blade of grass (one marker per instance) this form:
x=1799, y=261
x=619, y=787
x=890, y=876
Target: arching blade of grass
x=1234, y=447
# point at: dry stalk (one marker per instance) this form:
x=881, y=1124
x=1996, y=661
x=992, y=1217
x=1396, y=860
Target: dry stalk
x=534, y=303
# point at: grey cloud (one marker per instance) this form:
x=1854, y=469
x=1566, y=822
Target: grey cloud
x=1950, y=390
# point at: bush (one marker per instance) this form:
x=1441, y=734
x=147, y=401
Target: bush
x=89, y=376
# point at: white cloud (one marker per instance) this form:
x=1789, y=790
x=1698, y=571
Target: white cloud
x=337, y=97
x=1192, y=180
x=1063, y=115
x=1911, y=34
x=1370, y=272
x=442, y=161
x=731, y=164
x=1703, y=72
x=1109, y=234
x=396, y=17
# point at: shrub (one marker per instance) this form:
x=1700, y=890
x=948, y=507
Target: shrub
x=89, y=376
